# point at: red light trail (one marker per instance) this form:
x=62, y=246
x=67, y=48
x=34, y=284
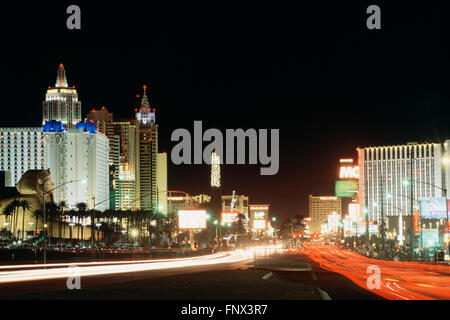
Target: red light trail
x=399, y=280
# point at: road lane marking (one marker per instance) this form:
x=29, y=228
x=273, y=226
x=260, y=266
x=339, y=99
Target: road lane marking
x=425, y=285
x=267, y=276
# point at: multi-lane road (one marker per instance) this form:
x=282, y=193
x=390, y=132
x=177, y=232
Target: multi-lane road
x=297, y=275
x=25, y=279
x=397, y=280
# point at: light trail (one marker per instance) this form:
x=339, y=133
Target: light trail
x=68, y=264
x=398, y=279
x=57, y=271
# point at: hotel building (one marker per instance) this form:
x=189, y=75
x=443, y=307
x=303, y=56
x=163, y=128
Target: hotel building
x=61, y=102
x=319, y=209
x=388, y=173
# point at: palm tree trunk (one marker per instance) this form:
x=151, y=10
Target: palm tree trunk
x=36, y=227
x=17, y=222
x=64, y=232
x=23, y=226
x=13, y=225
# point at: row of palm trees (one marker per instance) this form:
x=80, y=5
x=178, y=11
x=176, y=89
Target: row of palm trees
x=111, y=222
x=11, y=212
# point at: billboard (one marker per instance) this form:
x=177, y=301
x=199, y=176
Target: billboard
x=346, y=188
x=230, y=216
x=373, y=229
x=259, y=212
x=259, y=224
x=430, y=237
x=259, y=216
x=191, y=219
x=433, y=208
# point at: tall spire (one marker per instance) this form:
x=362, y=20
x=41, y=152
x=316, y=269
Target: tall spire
x=145, y=103
x=146, y=115
x=61, y=80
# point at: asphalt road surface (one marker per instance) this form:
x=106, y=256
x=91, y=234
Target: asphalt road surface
x=266, y=275
x=395, y=280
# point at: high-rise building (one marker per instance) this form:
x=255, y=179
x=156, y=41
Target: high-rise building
x=148, y=149
x=61, y=102
x=388, y=173
x=123, y=158
x=78, y=163
x=319, y=209
x=70, y=155
x=135, y=157
x=127, y=196
x=161, y=182
x=21, y=149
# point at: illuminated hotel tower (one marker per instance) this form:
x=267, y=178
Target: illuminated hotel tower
x=61, y=102
x=385, y=171
x=147, y=156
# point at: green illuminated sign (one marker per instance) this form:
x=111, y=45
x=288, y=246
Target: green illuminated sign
x=346, y=188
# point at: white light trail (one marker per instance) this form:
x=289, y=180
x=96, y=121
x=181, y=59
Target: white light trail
x=131, y=266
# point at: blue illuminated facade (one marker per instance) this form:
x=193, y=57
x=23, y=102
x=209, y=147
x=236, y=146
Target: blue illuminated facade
x=53, y=126
x=86, y=126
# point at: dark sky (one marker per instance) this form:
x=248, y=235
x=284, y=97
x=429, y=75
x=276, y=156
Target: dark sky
x=313, y=71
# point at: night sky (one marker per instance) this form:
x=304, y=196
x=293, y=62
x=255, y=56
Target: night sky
x=314, y=71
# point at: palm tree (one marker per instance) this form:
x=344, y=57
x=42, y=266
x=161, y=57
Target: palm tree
x=8, y=211
x=52, y=212
x=25, y=205
x=82, y=212
x=62, y=207
x=37, y=214
x=293, y=224
x=15, y=204
x=71, y=213
x=93, y=214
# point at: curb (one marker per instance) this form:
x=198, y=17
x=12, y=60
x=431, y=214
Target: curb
x=323, y=294
x=307, y=267
x=283, y=269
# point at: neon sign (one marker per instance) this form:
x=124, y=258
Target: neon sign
x=348, y=172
